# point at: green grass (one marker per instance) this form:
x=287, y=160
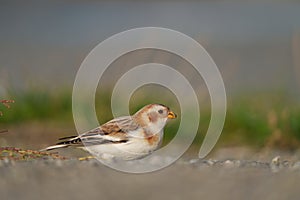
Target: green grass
x=37, y=105
x=260, y=120
x=256, y=120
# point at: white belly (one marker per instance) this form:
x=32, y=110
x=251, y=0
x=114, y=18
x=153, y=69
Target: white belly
x=133, y=149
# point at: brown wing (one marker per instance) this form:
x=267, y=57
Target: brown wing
x=110, y=132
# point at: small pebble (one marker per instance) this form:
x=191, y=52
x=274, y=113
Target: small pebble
x=275, y=164
x=228, y=164
x=276, y=161
x=296, y=165
x=193, y=161
x=210, y=162
x=237, y=163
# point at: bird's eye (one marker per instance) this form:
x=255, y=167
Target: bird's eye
x=160, y=111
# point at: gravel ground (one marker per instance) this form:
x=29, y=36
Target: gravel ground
x=228, y=173
x=185, y=179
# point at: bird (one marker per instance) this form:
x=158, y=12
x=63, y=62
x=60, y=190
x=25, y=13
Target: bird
x=123, y=138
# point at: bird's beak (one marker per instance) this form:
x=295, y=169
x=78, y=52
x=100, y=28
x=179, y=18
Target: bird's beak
x=171, y=115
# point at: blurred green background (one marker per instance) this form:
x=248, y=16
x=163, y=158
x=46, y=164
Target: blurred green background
x=255, y=45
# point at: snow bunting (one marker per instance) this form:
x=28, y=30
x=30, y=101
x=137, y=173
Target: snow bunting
x=125, y=138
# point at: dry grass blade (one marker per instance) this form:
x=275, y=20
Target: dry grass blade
x=7, y=102
x=13, y=153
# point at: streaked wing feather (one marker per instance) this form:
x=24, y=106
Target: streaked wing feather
x=113, y=131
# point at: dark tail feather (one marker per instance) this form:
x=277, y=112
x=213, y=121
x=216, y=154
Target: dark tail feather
x=68, y=137
x=75, y=140
x=63, y=144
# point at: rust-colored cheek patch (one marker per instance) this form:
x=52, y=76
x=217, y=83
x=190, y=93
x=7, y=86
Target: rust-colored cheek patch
x=152, y=117
x=153, y=139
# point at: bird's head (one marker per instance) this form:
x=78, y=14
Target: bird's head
x=154, y=117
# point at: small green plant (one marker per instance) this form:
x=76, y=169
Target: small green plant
x=6, y=103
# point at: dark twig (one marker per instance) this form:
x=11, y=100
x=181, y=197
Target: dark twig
x=3, y=131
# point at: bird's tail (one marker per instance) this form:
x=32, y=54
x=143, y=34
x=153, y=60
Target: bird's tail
x=57, y=146
x=67, y=141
